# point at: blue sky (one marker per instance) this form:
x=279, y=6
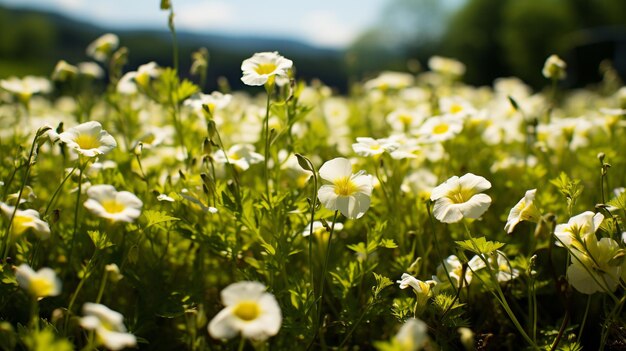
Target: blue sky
x=326, y=23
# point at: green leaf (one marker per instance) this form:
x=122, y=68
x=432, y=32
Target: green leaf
x=381, y=283
x=186, y=89
x=570, y=188
x=479, y=245
x=44, y=340
x=100, y=240
x=388, y=244
x=619, y=202
x=158, y=217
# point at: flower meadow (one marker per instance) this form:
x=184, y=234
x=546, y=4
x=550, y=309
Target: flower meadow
x=414, y=213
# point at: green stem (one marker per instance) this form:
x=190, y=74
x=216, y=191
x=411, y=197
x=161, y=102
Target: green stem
x=609, y=320
x=103, y=284
x=29, y=163
x=266, y=127
x=323, y=278
x=76, y=210
x=35, y=314
x=57, y=190
x=500, y=294
x=584, y=321
x=242, y=343
x=86, y=275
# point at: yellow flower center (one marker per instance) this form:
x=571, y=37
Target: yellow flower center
x=87, y=141
x=142, y=79
x=247, y=310
x=456, y=108
x=20, y=224
x=461, y=195
x=406, y=119
x=441, y=128
x=375, y=147
x=344, y=186
x=265, y=68
x=41, y=287
x=112, y=206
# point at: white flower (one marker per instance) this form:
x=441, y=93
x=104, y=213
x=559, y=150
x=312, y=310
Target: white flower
x=454, y=267
x=214, y=101
x=101, y=48
x=24, y=220
x=240, y=155
x=373, y=147
x=413, y=335
x=63, y=71
x=456, y=106
x=594, y=270
x=446, y=66
x=554, y=68
x=502, y=267
x=141, y=78
x=578, y=229
x=88, y=139
x=422, y=289
x=104, y=201
x=348, y=193
x=109, y=326
x=164, y=197
x=263, y=67
x=403, y=119
x=90, y=69
x=524, y=210
x=459, y=198
x=390, y=80
x=249, y=310
x=419, y=286
x=26, y=87
x=40, y=284
x=440, y=128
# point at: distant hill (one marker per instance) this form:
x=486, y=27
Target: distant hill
x=32, y=41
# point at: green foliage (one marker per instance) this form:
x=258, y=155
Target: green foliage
x=480, y=246
x=570, y=188
x=46, y=340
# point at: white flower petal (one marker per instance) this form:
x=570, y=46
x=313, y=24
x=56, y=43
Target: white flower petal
x=336, y=168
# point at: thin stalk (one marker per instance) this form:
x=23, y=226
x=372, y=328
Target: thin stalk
x=242, y=343
x=502, y=298
x=266, y=123
x=29, y=163
x=103, y=284
x=86, y=275
x=57, y=190
x=323, y=278
x=614, y=312
x=314, y=203
x=443, y=263
x=76, y=210
x=584, y=321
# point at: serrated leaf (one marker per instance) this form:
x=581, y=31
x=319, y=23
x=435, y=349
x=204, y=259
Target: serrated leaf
x=388, y=244
x=157, y=217
x=479, y=245
x=619, y=202
x=100, y=240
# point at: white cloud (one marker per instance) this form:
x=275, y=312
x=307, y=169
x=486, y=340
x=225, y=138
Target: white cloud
x=325, y=28
x=207, y=15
